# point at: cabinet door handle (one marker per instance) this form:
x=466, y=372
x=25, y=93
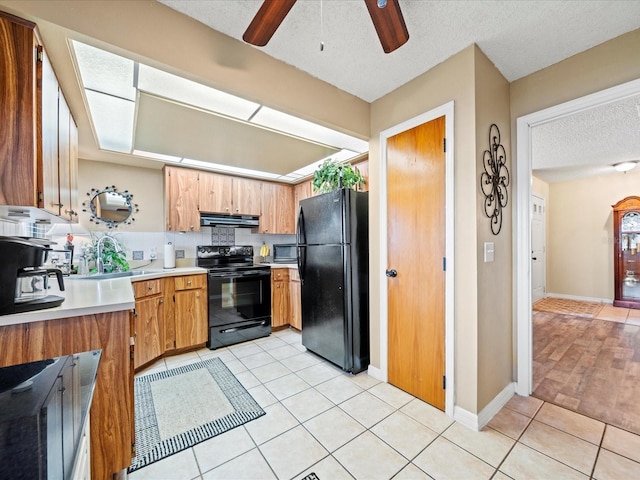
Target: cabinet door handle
x=161, y=300
x=57, y=205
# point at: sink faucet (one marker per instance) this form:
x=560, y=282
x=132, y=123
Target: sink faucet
x=99, y=261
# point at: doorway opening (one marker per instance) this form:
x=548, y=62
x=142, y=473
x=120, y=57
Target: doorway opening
x=522, y=252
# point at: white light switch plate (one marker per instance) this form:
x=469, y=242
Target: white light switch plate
x=488, y=252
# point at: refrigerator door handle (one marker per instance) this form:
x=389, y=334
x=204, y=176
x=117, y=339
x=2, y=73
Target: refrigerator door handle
x=302, y=260
x=300, y=228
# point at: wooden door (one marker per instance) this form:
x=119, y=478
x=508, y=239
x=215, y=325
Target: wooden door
x=18, y=182
x=416, y=250
x=48, y=100
x=181, y=199
x=300, y=192
x=214, y=193
x=279, y=297
x=295, y=296
x=190, y=310
x=246, y=196
x=64, y=157
x=276, y=209
x=149, y=328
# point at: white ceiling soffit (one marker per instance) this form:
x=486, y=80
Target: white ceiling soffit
x=136, y=109
x=520, y=37
x=587, y=143
x=175, y=129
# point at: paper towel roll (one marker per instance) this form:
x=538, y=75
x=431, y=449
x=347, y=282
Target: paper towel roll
x=169, y=256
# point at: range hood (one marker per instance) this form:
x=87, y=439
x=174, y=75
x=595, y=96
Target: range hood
x=234, y=221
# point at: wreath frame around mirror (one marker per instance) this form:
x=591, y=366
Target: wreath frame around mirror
x=90, y=206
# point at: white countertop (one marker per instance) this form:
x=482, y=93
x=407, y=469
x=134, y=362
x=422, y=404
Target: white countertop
x=87, y=297
x=281, y=265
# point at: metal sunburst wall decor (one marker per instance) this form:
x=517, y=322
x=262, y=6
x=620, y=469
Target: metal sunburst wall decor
x=494, y=180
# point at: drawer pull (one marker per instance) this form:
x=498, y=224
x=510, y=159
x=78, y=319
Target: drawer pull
x=188, y=282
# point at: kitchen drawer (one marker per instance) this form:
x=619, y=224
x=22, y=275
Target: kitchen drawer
x=146, y=288
x=280, y=274
x=190, y=281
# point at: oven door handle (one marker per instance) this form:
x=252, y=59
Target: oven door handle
x=250, y=273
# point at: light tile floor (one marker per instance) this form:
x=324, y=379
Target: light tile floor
x=340, y=426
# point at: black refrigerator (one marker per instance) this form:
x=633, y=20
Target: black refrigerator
x=333, y=261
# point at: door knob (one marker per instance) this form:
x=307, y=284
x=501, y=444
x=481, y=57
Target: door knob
x=391, y=273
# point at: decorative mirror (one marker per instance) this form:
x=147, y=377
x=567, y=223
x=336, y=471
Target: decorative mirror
x=110, y=207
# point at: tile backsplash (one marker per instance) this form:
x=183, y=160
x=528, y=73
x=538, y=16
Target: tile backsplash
x=152, y=243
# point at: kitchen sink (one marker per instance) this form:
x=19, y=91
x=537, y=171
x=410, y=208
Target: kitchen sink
x=106, y=276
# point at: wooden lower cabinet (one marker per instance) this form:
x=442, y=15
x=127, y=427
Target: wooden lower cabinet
x=112, y=407
x=285, y=298
x=295, y=299
x=279, y=297
x=148, y=321
x=186, y=319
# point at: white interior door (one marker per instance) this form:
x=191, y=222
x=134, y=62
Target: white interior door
x=538, y=248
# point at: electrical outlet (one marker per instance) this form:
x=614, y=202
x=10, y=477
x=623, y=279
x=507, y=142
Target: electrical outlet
x=138, y=255
x=153, y=254
x=179, y=253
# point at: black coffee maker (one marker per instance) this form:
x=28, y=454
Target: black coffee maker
x=23, y=281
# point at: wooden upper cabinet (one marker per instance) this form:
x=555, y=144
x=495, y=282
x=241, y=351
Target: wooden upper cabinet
x=363, y=167
x=215, y=193
x=246, y=196
x=181, y=199
x=277, y=209
x=49, y=147
x=18, y=177
x=37, y=165
x=300, y=192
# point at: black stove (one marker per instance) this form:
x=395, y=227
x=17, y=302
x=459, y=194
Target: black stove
x=227, y=258
x=239, y=294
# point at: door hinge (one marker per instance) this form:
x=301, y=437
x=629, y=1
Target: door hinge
x=39, y=54
x=444, y=145
x=444, y=264
x=444, y=382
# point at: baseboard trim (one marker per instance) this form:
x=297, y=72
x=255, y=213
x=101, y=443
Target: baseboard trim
x=376, y=373
x=477, y=422
x=579, y=297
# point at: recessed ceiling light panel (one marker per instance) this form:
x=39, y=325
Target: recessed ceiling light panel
x=163, y=84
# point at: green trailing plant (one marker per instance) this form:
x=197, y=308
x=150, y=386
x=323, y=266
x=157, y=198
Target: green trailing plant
x=114, y=256
x=327, y=177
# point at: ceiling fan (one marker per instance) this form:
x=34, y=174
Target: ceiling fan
x=385, y=15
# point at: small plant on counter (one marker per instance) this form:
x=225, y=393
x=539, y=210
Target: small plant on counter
x=114, y=255
x=327, y=177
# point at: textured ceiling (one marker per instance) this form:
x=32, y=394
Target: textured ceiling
x=587, y=143
x=520, y=37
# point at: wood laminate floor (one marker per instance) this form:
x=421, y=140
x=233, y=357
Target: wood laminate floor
x=590, y=365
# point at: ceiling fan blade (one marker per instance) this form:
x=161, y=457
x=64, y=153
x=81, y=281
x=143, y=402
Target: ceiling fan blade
x=389, y=24
x=266, y=22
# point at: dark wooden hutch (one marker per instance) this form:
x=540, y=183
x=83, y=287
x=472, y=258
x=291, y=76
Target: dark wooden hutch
x=626, y=252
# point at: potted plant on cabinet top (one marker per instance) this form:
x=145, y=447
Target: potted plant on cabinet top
x=327, y=177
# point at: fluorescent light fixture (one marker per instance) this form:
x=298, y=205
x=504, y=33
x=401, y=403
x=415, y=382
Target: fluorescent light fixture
x=112, y=83
x=112, y=120
x=229, y=168
x=625, y=166
x=157, y=156
x=283, y=122
x=157, y=82
x=105, y=72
